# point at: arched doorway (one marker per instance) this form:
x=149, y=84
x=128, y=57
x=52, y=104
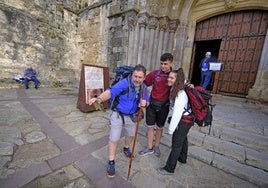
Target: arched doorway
x=236, y=39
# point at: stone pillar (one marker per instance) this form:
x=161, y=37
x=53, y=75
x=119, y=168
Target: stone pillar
x=153, y=22
x=179, y=45
x=155, y=59
x=163, y=25
x=135, y=46
x=260, y=89
x=173, y=24
x=142, y=22
x=132, y=35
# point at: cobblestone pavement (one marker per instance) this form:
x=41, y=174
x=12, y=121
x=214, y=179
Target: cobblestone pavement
x=45, y=141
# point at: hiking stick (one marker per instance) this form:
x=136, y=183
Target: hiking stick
x=211, y=106
x=135, y=137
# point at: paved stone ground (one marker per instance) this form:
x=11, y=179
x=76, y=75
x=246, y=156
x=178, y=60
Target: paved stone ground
x=45, y=141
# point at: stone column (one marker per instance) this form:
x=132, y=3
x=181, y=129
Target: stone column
x=260, y=89
x=163, y=25
x=173, y=24
x=153, y=22
x=179, y=45
x=131, y=19
x=142, y=22
x=155, y=60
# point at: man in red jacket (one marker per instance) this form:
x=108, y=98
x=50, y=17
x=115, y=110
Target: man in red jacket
x=157, y=111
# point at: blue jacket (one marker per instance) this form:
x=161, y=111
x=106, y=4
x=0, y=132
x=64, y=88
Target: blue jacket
x=30, y=73
x=129, y=101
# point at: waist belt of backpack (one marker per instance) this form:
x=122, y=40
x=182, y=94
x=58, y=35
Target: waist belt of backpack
x=122, y=115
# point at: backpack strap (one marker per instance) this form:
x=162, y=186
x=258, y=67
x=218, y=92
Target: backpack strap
x=158, y=73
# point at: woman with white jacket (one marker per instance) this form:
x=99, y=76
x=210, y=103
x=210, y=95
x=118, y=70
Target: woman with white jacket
x=180, y=123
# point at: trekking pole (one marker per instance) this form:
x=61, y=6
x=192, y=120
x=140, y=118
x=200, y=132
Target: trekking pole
x=212, y=106
x=135, y=137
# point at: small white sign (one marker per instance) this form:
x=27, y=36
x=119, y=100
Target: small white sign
x=215, y=66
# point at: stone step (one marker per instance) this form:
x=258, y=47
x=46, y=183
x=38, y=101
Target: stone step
x=239, y=153
x=238, y=136
x=249, y=173
x=235, y=158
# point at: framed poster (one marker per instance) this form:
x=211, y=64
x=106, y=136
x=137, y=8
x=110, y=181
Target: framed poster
x=94, y=80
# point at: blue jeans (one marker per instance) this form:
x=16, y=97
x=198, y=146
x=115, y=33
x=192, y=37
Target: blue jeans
x=34, y=79
x=205, y=78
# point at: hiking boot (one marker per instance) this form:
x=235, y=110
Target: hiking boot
x=163, y=171
x=146, y=151
x=157, y=152
x=127, y=152
x=111, y=170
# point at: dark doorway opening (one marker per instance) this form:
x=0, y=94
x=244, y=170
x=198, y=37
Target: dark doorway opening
x=201, y=48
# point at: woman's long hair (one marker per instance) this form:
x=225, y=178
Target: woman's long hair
x=179, y=83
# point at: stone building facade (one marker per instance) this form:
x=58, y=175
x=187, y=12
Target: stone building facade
x=60, y=36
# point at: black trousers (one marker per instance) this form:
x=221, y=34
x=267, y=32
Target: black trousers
x=179, y=148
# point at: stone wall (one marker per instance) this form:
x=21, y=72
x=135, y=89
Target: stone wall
x=39, y=33
x=59, y=36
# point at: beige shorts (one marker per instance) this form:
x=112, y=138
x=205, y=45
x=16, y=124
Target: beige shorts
x=116, y=126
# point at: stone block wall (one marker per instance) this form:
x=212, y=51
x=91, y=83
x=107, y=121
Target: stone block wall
x=38, y=33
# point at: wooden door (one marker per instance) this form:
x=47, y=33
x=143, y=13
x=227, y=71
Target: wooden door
x=242, y=37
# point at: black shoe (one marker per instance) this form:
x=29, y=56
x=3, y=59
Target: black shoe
x=35, y=87
x=164, y=172
x=27, y=87
x=182, y=161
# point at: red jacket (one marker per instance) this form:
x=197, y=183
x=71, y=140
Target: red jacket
x=160, y=90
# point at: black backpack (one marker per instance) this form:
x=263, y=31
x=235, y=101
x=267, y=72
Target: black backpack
x=121, y=72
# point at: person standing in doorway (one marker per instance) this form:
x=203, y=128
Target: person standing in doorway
x=157, y=111
x=205, y=72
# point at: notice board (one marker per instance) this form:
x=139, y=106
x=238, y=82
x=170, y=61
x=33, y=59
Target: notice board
x=93, y=81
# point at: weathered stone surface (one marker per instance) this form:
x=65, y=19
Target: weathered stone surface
x=72, y=172
x=6, y=148
x=10, y=135
x=35, y=136
x=4, y=160
x=34, y=153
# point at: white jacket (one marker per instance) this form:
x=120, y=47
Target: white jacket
x=181, y=103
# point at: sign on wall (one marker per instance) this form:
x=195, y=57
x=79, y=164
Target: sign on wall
x=93, y=81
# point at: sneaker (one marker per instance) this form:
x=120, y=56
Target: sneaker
x=157, y=151
x=26, y=87
x=146, y=151
x=35, y=87
x=127, y=152
x=111, y=170
x=163, y=171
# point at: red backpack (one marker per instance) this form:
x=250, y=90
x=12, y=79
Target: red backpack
x=199, y=102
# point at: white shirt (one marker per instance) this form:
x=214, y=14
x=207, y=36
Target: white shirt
x=181, y=103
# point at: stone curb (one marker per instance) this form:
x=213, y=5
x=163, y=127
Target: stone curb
x=251, y=174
